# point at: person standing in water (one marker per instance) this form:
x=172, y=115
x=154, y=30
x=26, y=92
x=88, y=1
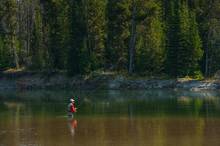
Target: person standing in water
x=71, y=108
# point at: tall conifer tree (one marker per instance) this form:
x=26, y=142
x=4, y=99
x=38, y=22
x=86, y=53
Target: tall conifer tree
x=118, y=20
x=77, y=38
x=96, y=32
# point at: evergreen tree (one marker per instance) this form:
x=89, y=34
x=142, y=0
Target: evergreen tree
x=151, y=40
x=195, y=46
x=96, y=32
x=208, y=18
x=184, y=45
x=56, y=50
x=213, y=47
x=172, y=38
x=10, y=30
x=77, y=59
x=183, y=48
x=118, y=16
x=36, y=42
x=190, y=51
x=86, y=35
x=4, y=62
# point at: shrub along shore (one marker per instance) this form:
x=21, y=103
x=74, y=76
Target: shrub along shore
x=108, y=81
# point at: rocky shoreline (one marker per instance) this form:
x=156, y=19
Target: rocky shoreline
x=30, y=81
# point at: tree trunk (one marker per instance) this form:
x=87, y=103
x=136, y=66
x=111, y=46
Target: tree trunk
x=16, y=60
x=132, y=39
x=206, y=62
x=207, y=49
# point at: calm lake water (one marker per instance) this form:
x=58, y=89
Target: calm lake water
x=110, y=118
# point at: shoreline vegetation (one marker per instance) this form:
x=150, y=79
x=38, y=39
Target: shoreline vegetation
x=176, y=38
x=30, y=80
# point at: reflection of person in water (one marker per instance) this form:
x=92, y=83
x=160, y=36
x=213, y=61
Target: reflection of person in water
x=72, y=126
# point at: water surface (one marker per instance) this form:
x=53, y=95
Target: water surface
x=110, y=118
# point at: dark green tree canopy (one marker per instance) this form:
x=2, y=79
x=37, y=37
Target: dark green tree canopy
x=176, y=37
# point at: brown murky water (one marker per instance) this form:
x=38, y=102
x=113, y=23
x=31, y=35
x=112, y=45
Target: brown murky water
x=110, y=131
x=25, y=123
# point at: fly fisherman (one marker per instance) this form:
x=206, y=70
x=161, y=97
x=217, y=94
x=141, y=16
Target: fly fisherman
x=71, y=108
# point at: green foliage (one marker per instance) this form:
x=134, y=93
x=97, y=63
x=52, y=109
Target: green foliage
x=81, y=36
x=96, y=33
x=118, y=15
x=212, y=50
x=36, y=43
x=195, y=46
x=77, y=55
x=198, y=75
x=56, y=49
x=150, y=44
x=4, y=55
x=8, y=38
x=172, y=29
x=184, y=43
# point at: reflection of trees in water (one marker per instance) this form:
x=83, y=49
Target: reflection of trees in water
x=64, y=95
x=145, y=131
x=155, y=130
x=150, y=102
x=200, y=106
x=100, y=131
x=3, y=107
x=13, y=105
